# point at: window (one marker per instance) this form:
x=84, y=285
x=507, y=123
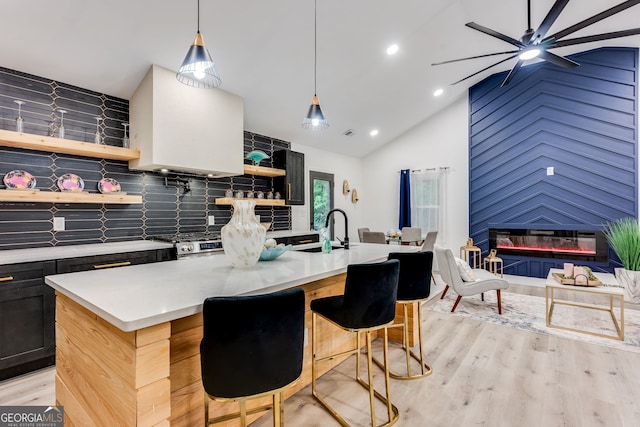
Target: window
x=425, y=200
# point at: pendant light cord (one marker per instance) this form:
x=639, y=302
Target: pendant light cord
x=315, y=47
x=198, y=16
x=528, y=13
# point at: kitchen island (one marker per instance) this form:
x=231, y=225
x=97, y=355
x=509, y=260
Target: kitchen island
x=127, y=339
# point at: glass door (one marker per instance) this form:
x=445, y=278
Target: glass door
x=321, y=202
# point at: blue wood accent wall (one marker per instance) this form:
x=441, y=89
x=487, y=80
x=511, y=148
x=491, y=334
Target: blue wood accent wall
x=582, y=122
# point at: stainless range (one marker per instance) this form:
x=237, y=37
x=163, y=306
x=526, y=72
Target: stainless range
x=192, y=244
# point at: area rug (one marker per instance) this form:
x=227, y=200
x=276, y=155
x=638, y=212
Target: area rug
x=527, y=313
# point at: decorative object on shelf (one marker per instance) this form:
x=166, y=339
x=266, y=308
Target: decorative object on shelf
x=259, y=195
x=70, y=182
x=243, y=236
x=19, y=180
x=345, y=187
x=19, y=120
x=623, y=236
x=228, y=193
x=61, y=127
x=315, y=120
x=256, y=156
x=269, y=194
x=269, y=254
x=250, y=194
x=239, y=194
x=354, y=196
x=277, y=195
x=125, y=138
x=109, y=186
x=198, y=69
x=97, y=139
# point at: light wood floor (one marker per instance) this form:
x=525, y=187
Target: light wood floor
x=484, y=375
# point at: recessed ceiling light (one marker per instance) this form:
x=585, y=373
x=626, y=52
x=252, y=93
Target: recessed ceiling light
x=438, y=92
x=392, y=50
x=373, y=132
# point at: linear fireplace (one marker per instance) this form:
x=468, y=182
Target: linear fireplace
x=578, y=245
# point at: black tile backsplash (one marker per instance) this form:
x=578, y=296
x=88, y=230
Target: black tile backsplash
x=165, y=210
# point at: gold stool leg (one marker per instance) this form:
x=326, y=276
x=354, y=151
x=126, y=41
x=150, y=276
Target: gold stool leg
x=405, y=338
x=206, y=410
x=370, y=372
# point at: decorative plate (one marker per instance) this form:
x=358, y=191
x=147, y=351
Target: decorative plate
x=257, y=156
x=70, y=182
x=108, y=185
x=20, y=180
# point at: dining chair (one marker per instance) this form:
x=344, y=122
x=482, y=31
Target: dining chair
x=411, y=236
x=360, y=231
x=374, y=237
x=427, y=246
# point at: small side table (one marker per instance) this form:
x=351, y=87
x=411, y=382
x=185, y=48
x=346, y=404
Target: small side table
x=474, y=253
x=495, y=264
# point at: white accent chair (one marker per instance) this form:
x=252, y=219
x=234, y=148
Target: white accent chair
x=484, y=280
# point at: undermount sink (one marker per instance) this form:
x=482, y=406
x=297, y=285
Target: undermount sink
x=318, y=249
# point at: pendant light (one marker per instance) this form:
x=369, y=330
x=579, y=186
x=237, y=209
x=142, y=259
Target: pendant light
x=315, y=119
x=198, y=69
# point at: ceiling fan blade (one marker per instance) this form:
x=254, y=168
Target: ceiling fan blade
x=558, y=60
x=548, y=20
x=496, y=34
x=475, y=57
x=484, y=69
x=596, y=37
x=589, y=21
x=512, y=73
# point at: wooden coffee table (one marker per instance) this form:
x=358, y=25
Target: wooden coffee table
x=612, y=292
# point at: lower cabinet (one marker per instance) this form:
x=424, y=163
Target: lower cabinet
x=27, y=314
x=27, y=306
x=300, y=239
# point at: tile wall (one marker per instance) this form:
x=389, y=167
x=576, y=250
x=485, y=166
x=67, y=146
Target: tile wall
x=165, y=209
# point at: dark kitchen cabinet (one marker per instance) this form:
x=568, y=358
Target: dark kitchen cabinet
x=291, y=186
x=98, y=262
x=27, y=315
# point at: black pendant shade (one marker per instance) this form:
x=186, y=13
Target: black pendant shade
x=315, y=119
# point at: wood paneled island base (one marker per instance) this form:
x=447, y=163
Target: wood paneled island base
x=151, y=376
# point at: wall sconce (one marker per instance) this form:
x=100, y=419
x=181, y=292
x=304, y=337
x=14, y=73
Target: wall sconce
x=345, y=187
x=354, y=196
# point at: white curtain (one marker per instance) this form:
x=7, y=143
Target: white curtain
x=428, y=190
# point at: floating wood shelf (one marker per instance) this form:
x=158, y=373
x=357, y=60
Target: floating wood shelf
x=65, y=146
x=262, y=171
x=259, y=202
x=30, y=196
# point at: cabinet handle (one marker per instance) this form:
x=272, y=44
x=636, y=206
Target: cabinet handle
x=6, y=279
x=305, y=241
x=115, y=264
x=289, y=189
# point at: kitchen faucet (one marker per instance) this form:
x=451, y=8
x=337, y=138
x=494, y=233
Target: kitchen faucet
x=345, y=243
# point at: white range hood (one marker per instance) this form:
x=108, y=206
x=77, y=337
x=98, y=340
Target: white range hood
x=185, y=129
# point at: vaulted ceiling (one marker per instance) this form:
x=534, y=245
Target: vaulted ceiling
x=264, y=53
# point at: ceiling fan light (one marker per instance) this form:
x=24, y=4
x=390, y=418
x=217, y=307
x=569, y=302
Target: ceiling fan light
x=529, y=54
x=315, y=119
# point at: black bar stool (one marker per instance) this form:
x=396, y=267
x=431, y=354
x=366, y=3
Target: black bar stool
x=414, y=287
x=252, y=347
x=368, y=305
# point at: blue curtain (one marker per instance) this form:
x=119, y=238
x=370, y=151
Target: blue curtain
x=405, y=199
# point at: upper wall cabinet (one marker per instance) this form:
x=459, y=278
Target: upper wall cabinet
x=292, y=184
x=185, y=129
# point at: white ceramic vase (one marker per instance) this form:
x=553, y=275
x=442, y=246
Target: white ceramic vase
x=243, y=236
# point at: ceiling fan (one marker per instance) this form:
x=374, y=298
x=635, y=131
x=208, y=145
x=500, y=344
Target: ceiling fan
x=536, y=43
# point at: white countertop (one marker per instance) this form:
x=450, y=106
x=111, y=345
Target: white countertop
x=16, y=256
x=139, y=296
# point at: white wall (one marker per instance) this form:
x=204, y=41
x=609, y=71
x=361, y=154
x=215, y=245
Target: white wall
x=441, y=140
x=342, y=167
